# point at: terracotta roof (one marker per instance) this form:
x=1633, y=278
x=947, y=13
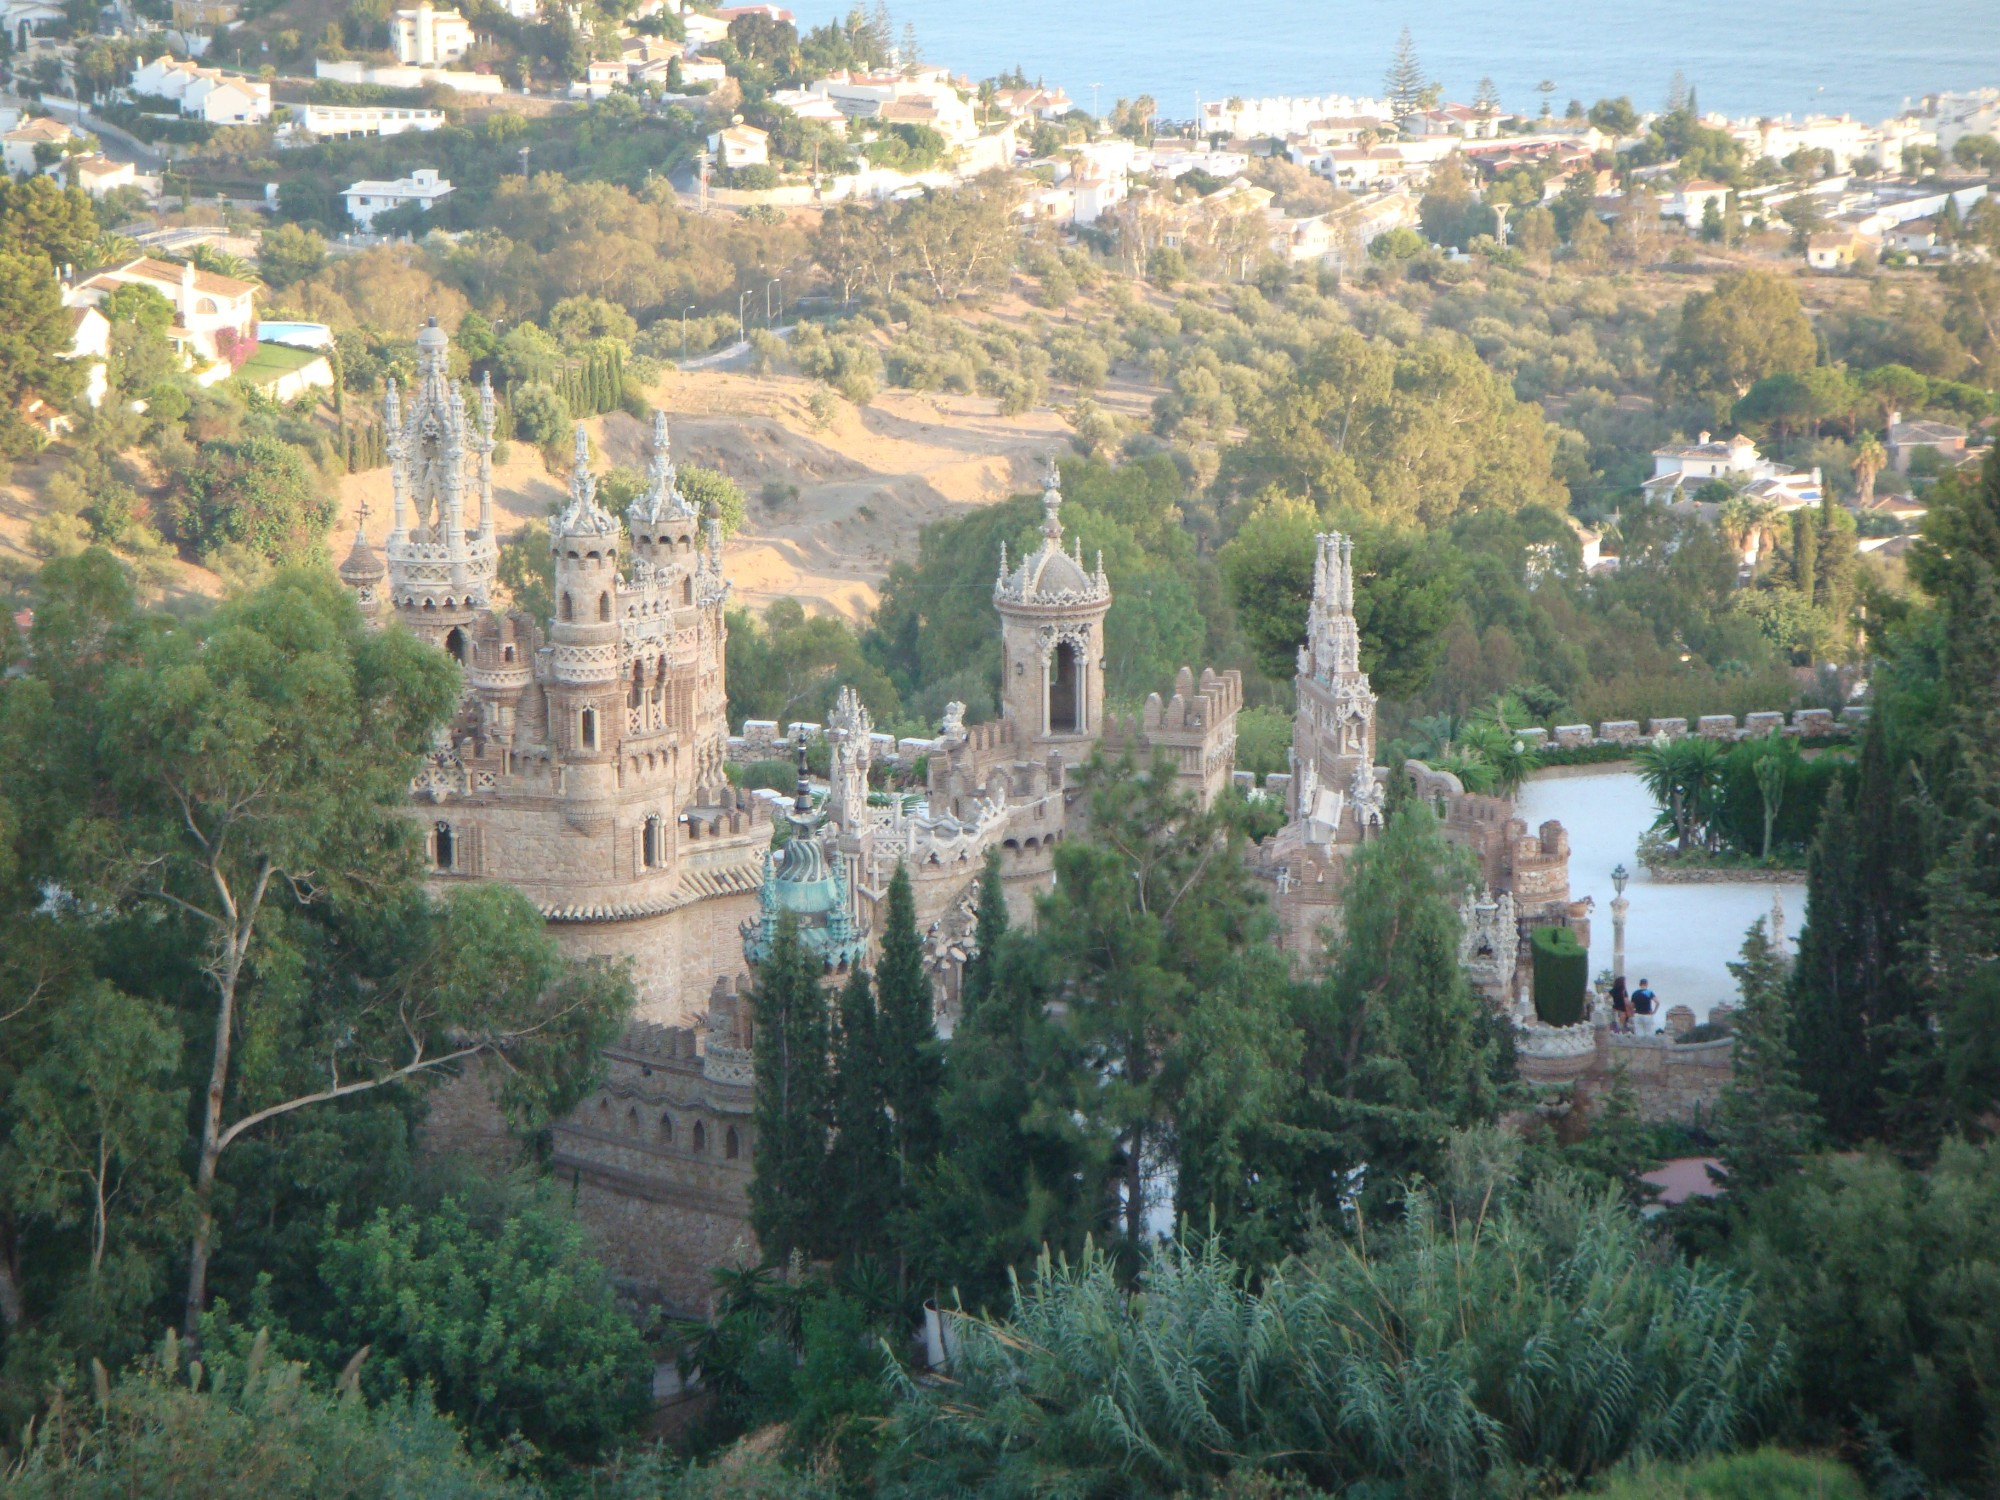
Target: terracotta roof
x=1926, y=432
x=168, y=273
x=41, y=128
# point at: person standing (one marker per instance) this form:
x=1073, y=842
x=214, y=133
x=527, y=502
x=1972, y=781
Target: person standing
x=1621, y=1006
x=1644, y=1004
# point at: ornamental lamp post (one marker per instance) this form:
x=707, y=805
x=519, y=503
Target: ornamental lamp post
x=1619, y=906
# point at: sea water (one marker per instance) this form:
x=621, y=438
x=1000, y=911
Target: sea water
x=1775, y=57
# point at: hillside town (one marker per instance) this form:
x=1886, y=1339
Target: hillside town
x=745, y=768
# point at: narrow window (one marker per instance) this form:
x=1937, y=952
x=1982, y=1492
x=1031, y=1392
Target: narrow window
x=667, y=1129
x=700, y=1136
x=442, y=847
x=566, y=610
x=455, y=645
x=638, y=685
x=603, y=606
x=590, y=729
x=687, y=591
x=651, y=842
x=729, y=1143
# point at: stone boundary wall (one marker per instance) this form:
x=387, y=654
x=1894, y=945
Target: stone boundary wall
x=1805, y=723
x=1673, y=1082
x=1724, y=875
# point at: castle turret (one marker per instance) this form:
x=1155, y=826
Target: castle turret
x=801, y=879
x=664, y=526
x=1334, y=788
x=363, y=572
x=1052, y=638
x=585, y=693
x=442, y=550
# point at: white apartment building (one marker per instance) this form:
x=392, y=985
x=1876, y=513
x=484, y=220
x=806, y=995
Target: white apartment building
x=337, y=122
x=429, y=38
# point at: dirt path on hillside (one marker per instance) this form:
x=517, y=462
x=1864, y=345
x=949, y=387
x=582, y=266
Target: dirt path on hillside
x=866, y=485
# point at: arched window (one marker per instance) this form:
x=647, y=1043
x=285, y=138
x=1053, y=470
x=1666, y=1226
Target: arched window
x=650, y=842
x=1065, y=690
x=506, y=653
x=632, y=1120
x=638, y=685
x=603, y=606
x=687, y=591
x=729, y=1143
x=667, y=1129
x=566, y=610
x=700, y=1136
x=589, y=728
x=442, y=850
x=455, y=645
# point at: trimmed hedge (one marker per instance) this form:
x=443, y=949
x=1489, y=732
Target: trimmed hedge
x=1562, y=970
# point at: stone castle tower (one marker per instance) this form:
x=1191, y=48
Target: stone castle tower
x=1334, y=788
x=586, y=763
x=1052, y=639
x=443, y=553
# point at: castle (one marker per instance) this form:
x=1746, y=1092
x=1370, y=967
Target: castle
x=587, y=766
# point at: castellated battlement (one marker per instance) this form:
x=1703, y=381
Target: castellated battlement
x=1195, y=728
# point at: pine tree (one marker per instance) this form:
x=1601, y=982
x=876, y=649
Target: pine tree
x=789, y=1200
x=911, y=1062
x=1764, y=1124
x=861, y=1164
x=1404, y=85
x=977, y=982
x=1488, y=97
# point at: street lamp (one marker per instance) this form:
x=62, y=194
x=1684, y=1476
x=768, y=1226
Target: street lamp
x=741, y=302
x=774, y=281
x=1619, y=906
x=684, y=329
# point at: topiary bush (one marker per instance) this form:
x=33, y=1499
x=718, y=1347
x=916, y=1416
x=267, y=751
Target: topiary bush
x=1562, y=969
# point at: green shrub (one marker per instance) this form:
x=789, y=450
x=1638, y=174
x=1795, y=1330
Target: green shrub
x=1562, y=970
x=1766, y=1474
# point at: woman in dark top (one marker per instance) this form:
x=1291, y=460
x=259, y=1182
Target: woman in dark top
x=1621, y=1006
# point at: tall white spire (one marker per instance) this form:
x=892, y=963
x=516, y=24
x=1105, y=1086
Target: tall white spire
x=442, y=551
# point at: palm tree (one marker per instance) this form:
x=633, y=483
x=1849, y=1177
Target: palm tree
x=1870, y=458
x=1682, y=777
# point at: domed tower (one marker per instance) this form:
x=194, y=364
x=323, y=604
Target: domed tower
x=363, y=572
x=443, y=552
x=585, y=694
x=1052, y=638
x=803, y=880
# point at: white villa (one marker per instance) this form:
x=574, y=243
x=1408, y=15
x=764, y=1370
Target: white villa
x=1681, y=470
x=368, y=198
x=210, y=311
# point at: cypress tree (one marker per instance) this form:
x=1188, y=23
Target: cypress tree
x=861, y=1165
x=1764, y=1123
x=788, y=1202
x=977, y=983
x=1853, y=996
x=912, y=1066
x=1805, y=553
